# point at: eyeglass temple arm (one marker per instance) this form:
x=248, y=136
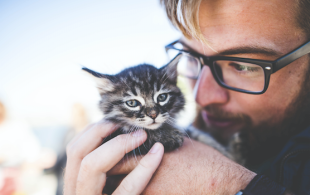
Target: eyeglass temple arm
x=174, y=61
x=292, y=56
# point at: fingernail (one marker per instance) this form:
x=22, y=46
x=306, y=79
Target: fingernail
x=137, y=133
x=155, y=148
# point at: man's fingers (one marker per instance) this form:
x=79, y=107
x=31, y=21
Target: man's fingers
x=92, y=172
x=138, y=179
x=110, y=153
x=125, y=166
x=78, y=148
x=76, y=137
x=90, y=139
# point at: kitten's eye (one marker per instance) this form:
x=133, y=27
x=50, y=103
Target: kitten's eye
x=133, y=103
x=162, y=97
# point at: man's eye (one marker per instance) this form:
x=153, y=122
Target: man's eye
x=162, y=97
x=240, y=67
x=133, y=103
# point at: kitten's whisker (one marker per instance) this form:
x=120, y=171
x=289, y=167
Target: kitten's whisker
x=163, y=76
x=133, y=144
x=127, y=136
x=138, y=146
x=146, y=140
x=126, y=147
x=130, y=130
x=125, y=83
x=170, y=117
x=190, y=139
x=133, y=153
x=183, y=129
x=134, y=129
x=97, y=124
x=168, y=121
x=165, y=79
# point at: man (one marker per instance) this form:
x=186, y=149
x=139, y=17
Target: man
x=234, y=96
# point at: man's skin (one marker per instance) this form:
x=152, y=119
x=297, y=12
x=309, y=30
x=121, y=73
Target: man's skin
x=228, y=25
x=268, y=25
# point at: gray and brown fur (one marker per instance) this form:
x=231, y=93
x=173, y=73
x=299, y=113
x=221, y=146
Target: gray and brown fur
x=143, y=83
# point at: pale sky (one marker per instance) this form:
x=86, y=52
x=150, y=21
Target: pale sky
x=44, y=43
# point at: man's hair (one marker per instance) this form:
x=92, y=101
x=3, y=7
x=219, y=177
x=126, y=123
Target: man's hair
x=184, y=14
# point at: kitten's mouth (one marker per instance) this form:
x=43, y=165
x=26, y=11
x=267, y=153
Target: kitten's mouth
x=153, y=125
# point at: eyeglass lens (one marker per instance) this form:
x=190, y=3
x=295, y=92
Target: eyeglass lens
x=240, y=75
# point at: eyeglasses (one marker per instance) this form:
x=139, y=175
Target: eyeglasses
x=239, y=74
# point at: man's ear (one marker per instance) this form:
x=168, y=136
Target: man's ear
x=170, y=70
x=104, y=82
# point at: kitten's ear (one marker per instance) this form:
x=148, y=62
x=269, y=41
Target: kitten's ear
x=104, y=82
x=171, y=69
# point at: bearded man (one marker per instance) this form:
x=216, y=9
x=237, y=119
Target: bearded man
x=248, y=62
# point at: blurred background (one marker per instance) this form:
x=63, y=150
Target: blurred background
x=45, y=98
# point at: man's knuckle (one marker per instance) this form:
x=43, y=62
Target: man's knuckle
x=87, y=164
x=145, y=164
x=73, y=152
x=127, y=186
x=70, y=150
x=120, y=138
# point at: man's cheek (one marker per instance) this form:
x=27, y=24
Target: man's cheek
x=257, y=107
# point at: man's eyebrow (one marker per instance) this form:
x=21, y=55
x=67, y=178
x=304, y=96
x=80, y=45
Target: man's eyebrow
x=243, y=50
x=251, y=50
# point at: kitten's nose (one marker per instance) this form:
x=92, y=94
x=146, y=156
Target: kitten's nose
x=152, y=112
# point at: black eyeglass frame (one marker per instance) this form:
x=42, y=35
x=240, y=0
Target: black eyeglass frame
x=269, y=67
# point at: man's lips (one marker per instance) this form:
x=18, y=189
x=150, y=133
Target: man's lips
x=217, y=122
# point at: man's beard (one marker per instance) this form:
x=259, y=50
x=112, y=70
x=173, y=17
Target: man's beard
x=263, y=141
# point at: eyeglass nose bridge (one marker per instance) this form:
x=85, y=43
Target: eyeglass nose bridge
x=205, y=61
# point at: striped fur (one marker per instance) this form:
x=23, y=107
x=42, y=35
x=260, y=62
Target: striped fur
x=145, y=84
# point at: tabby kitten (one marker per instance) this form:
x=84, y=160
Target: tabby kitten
x=143, y=97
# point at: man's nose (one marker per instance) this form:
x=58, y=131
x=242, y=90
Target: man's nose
x=207, y=91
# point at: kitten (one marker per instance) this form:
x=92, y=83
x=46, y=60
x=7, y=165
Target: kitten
x=143, y=97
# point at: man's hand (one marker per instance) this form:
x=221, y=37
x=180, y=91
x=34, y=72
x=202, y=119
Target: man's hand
x=192, y=169
x=89, y=161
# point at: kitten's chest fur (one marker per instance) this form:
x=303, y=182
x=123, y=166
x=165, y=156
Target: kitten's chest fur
x=169, y=136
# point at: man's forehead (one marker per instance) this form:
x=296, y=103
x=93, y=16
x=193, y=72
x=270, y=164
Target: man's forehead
x=230, y=26
x=219, y=8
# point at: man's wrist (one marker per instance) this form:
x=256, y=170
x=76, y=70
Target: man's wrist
x=231, y=178
x=246, y=176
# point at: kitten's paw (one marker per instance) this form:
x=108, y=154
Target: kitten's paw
x=170, y=138
x=173, y=140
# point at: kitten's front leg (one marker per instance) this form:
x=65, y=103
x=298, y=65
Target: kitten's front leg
x=169, y=136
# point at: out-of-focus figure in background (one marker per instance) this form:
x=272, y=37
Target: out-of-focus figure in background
x=79, y=122
x=22, y=159
x=8, y=178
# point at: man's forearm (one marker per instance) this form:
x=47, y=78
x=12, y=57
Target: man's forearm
x=198, y=169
